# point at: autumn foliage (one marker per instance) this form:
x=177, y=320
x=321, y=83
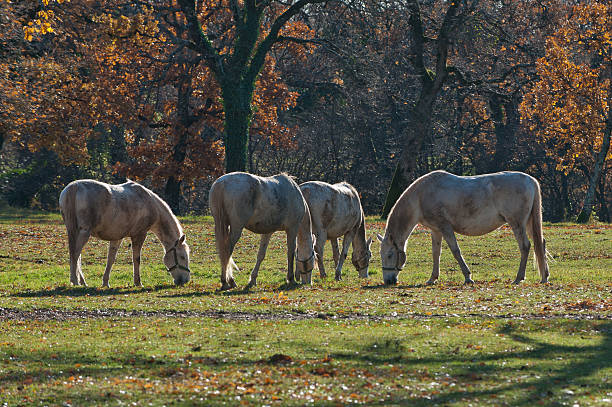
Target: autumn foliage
x=96, y=66
x=568, y=106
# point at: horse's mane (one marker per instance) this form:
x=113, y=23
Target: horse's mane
x=156, y=198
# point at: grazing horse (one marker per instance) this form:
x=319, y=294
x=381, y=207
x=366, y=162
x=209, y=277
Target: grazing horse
x=263, y=205
x=335, y=210
x=473, y=206
x=112, y=212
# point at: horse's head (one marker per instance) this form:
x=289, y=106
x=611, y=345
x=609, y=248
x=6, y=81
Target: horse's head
x=392, y=257
x=176, y=260
x=304, y=267
x=361, y=260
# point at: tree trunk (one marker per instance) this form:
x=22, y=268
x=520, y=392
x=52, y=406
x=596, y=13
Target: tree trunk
x=587, y=207
x=238, y=114
x=172, y=192
x=406, y=165
x=506, y=120
x=431, y=85
x=604, y=204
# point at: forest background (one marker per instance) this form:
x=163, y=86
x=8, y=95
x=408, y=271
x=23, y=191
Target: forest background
x=174, y=93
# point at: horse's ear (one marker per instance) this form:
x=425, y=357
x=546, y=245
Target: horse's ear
x=379, y=237
x=180, y=240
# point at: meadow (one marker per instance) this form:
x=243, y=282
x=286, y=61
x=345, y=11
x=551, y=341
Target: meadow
x=335, y=343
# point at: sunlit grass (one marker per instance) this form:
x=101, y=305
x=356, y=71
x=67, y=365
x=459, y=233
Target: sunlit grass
x=336, y=343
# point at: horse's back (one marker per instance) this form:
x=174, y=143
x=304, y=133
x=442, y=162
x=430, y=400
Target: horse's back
x=262, y=204
x=336, y=208
x=475, y=205
x=110, y=211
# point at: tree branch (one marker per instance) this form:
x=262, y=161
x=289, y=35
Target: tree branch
x=272, y=37
x=202, y=43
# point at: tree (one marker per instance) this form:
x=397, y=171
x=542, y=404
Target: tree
x=128, y=67
x=234, y=38
x=432, y=79
x=570, y=103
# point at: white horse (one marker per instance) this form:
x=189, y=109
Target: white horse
x=263, y=205
x=112, y=212
x=473, y=206
x=336, y=211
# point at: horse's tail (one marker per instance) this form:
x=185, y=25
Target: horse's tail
x=539, y=243
x=67, y=203
x=222, y=240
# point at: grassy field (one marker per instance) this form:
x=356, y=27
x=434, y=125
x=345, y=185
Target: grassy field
x=335, y=343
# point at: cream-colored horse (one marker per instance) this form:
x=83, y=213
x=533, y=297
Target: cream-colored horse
x=473, y=206
x=263, y=205
x=336, y=211
x=112, y=212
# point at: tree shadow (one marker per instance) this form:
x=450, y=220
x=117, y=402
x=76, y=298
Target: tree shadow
x=534, y=389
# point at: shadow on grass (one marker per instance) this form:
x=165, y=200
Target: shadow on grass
x=382, y=286
x=233, y=292
x=90, y=291
x=540, y=385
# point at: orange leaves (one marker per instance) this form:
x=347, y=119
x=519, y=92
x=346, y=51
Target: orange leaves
x=567, y=106
x=40, y=25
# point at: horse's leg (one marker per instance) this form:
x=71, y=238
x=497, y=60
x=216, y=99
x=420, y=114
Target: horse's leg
x=436, y=248
x=321, y=236
x=335, y=251
x=346, y=243
x=137, y=242
x=113, y=246
x=524, y=246
x=291, y=245
x=261, y=254
x=76, y=273
x=449, y=236
x=227, y=265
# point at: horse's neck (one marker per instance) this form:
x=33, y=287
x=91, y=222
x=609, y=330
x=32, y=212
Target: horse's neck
x=359, y=242
x=304, y=241
x=402, y=219
x=167, y=229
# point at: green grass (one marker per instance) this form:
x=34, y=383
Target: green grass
x=353, y=341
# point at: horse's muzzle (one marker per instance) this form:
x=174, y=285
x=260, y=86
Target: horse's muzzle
x=391, y=280
x=181, y=279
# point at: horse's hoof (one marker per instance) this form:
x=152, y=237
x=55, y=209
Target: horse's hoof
x=250, y=285
x=544, y=281
x=432, y=282
x=517, y=281
x=105, y=285
x=323, y=275
x=338, y=277
x=469, y=281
